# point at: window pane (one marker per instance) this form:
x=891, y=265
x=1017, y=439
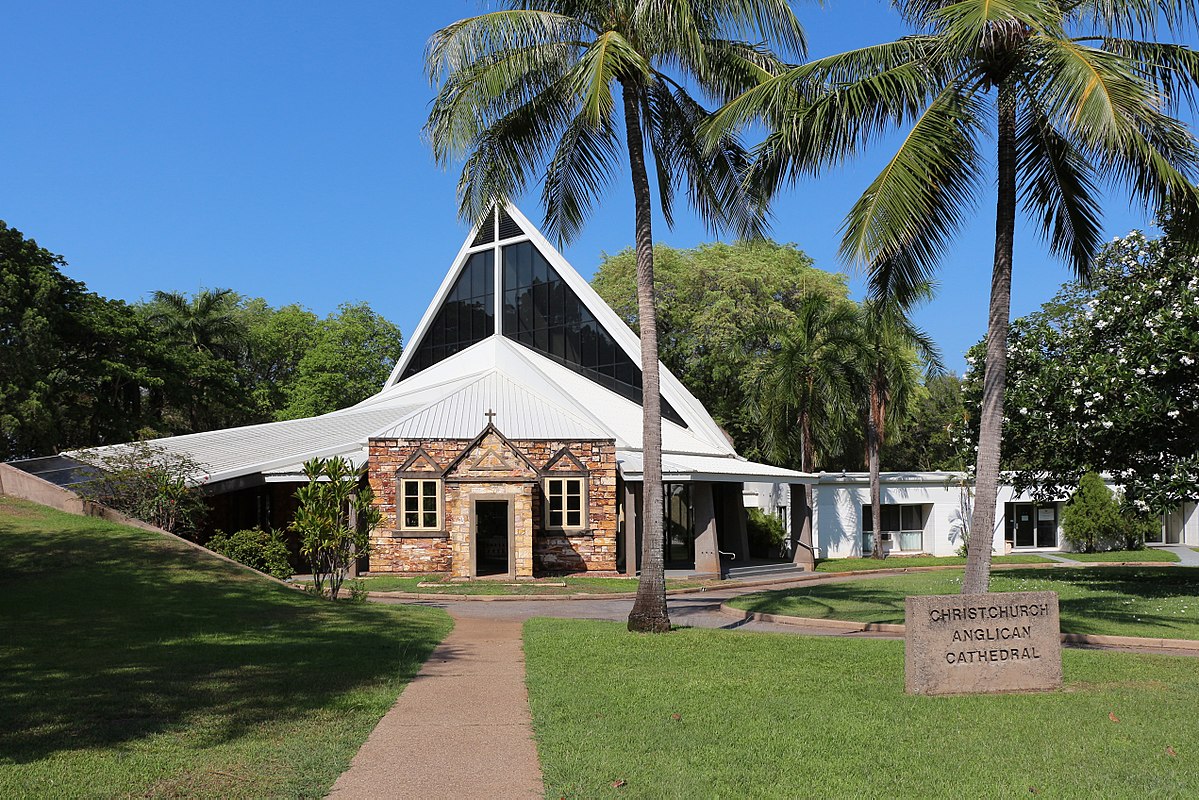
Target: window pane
x=555, y=486
x=430, y=488
x=565, y=330
x=411, y=488
x=868, y=518
x=890, y=518
x=555, y=519
x=573, y=502
x=911, y=518
x=430, y=504
x=574, y=519
x=430, y=520
x=410, y=519
x=466, y=317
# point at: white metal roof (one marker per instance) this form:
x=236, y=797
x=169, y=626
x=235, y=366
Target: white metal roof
x=690, y=467
x=533, y=397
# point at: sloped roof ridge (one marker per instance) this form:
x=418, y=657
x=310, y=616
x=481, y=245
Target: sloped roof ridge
x=491, y=375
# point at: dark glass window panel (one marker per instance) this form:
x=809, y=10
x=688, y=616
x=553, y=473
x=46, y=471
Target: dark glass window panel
x=563, y=329
x=430, y=520
x=911, y=518
x=486, y=233
x=410, y=519
x=508, y=226
x=466, y=317
x=574, y=519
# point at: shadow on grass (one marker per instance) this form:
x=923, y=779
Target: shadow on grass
x=833, y=601
x=112, y=635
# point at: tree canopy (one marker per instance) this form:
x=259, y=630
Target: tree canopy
x=1105, y=378
x=79, y=370
x=712, y=300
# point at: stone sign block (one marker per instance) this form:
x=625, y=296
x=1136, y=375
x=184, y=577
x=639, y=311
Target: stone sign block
x=975, y=643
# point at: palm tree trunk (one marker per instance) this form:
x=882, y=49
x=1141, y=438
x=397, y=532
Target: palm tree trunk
x=807, y=463
x=990, y=435
x=872, y=448
x=649, y=609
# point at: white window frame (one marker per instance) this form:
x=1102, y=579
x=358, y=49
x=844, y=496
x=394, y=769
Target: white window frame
x=547, y=511
x=402, y=503
x=894, y=537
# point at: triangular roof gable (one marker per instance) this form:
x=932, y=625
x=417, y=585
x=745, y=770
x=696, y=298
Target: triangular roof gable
x=491, y=451
x=420, y=461
x=564, y=461
x=674, y=394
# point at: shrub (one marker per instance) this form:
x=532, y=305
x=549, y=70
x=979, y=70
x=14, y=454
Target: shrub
x=334, y=520
x=265, y=551
x=766, y=534
x=148, y=483
x=1096, y=519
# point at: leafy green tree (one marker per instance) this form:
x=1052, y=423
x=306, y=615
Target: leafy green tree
x=1076, y=94
x=891, y=343
x=936, y=421
x=711, y=301
x=1105, y=378
x=73, y=365
x=535, y=84
x=334, y=519
x=276, y=341
x=807, y=389
x=350, y=357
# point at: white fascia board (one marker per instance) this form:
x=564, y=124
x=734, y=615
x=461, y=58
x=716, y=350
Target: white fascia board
x=431, y=311
x=671, y=387
x=855, y=478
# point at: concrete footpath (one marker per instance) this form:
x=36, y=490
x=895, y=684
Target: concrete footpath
x=461, y=728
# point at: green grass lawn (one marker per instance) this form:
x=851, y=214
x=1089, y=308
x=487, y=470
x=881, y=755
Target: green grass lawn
x=903, y=562
x=543, y=586
x=1123, y=601
x=705, y=713
x=131, y=665
x=1148, y=554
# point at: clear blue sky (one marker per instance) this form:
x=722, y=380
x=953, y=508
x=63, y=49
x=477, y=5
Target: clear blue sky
x=275, y=148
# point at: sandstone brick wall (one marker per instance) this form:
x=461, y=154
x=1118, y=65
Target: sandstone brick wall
x=494, y=466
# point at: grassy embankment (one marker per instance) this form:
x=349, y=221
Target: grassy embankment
x=131, y=665
x=706, y=713
x=1158, y=602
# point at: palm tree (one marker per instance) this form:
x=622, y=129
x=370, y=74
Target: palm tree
x=806, y=393
x=891, y=340
x=535, y=84
x=207, y=322
x=1076, y=93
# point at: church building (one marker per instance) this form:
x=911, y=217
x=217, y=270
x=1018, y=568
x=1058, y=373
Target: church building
x=507, y=440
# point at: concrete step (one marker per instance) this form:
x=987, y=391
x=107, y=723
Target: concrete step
x=779, y=570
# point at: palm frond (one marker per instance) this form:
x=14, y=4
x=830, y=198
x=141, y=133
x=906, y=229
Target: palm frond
x=1135, y=17
x=1057, y=186
x=461, y=44
x=714, y=173
x=907, y=215
x=583, y=164
x=1172, y=68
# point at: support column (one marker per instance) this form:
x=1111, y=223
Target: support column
x=733, y=521
x=707, y=553
x=632, y=513
x=803, y=553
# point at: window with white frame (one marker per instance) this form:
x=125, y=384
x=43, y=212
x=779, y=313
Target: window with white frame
x=902, y=525
x=565, y=503
x=420, y=504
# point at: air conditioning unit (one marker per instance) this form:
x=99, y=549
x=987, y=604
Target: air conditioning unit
x=886, y=537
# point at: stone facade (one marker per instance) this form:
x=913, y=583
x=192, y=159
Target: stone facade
x=492, y=467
